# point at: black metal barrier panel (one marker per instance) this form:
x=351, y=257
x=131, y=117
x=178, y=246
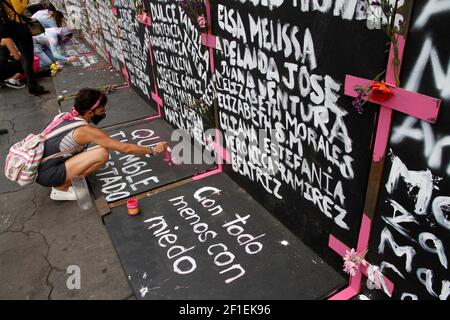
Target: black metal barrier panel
x=93, y=13
x=111, y=33
x=135, y=38
x=297, y=143
x=410, y=241
x=182, y=67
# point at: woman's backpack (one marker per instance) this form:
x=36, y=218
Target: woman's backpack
x=24, y=157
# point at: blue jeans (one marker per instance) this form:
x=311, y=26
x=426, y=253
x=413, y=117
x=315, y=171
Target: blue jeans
x=45, y=56
x=48, y=22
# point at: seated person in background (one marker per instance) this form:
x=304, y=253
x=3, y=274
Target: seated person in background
x=49, y=19
x=90, y=107
x=37, y=6
x=10, y=65
x=50, y=46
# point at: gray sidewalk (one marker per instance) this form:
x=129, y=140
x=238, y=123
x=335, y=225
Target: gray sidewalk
x=41, y=238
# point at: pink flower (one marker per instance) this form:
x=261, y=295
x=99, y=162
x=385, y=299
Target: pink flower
x=352, y=261
x=201, y=20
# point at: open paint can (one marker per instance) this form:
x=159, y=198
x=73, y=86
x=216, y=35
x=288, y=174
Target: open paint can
x=133, y=207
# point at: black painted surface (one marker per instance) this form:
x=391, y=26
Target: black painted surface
x=124, y=105
x=182, y=67
x=125, y=176
x=422, y=149
x=134, y=38
x=77, y=18
x=284, y=268
x=92, y=10
x=341, y=47
x=110, y=33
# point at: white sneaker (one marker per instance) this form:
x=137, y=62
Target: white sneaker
x=15, y=84
x=57, y=195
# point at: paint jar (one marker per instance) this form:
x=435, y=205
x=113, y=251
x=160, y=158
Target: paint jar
x=133, y=207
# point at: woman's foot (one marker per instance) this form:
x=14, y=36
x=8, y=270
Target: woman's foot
x=58, y=195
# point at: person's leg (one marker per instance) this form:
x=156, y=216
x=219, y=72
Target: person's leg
x=44, y=61
x=49, y=53
x=24, y=41
x=84, y=164
x=6, y=71
x=17, y=76
x=10, y=74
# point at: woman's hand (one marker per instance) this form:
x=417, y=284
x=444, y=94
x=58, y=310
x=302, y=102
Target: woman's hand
x=72, y=59
x=15, y=56
x=9, y=43
x=90, y=135
x=160, y=147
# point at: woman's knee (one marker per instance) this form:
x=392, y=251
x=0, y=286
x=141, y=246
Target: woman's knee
x=102, y=154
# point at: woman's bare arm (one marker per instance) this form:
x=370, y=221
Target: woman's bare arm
x=9, y=43
x=90, y=135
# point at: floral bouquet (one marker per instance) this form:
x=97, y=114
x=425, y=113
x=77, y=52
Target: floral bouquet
x=376, y=91
x=205, y=111
x=195, y=10
x=352, y=261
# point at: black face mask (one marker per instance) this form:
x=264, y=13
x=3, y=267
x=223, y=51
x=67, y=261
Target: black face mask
x=97, y=118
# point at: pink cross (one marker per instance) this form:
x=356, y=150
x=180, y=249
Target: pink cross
x=159, y=103
x=209, y=41
x=114, y=9
x=145, y=19
x=408, y=102
x=157, y=98
x=126, y=75
x=108, y=57
x=411, y=103
x=341, y=249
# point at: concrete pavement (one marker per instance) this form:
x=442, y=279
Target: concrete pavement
x=40, y=238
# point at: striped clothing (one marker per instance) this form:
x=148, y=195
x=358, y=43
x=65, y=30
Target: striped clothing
x=63, y=142
x=52, y=173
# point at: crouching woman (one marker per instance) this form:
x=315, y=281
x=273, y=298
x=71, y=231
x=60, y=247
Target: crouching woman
x=70, y=146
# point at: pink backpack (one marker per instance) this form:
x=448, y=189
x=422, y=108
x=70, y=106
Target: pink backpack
x=24, y=157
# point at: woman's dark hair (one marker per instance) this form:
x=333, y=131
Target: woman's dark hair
x=86, y=99
x=59, y=18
